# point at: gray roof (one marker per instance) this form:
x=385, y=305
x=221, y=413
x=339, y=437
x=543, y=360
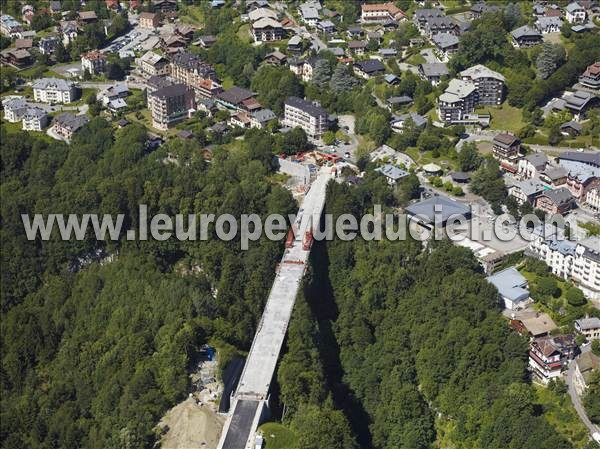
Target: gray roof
x=510, y=284
x=424, y=14
x=524, y=31
x=336, y=51
x=357, y=44
x=264, y=115
x=295, y=40
x=565, y=247
x=391, y=78
x=174, y=90
x=574, y=6
x=559, y=196
x=529, y=187
x=572, y=124
x=457, y=90
x=481, y=71
x=588, y=323
x=554, y=173
x=445, y=40
x=70, y=121
x=592, y=248
x=53, y=83
x=326, y=24
x=442, y=205
x=538, y=160
x=392, y=172
x=236, y=95
x=14, y=103
x=586, y=158
x=34, y=112
x=388, y=52
x=403, y=99
x=306, y=106
x=544, y=21
x=434, y=69
x=370, y=66
x=419, y=120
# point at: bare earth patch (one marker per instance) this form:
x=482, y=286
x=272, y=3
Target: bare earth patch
x=191, y=426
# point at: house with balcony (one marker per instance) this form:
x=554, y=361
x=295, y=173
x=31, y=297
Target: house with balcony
x=549, y=355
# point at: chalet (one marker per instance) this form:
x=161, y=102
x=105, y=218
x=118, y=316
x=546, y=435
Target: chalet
x=380, y=12
x=238, y=98
x=588, y=327
x=422, y=16
x=275, y=58
x=262, y=118
x=506, y=147
x=326, y=26
x=295, y=44
x=446, y=44
x=18, y=58
x=532, y=165
x=580, y=102
x=65, y=125
x=525, y=36
x=267, y=29
x=87, y=17
x=368, y=68
x=575, y=13
x=206, y=41
x=164, y=5
x=549, y=355
x=547, y=25
x=585, y=365
x=571, y=128
x=399, y=122
x=591, y=77
x=47, y=45
x=526, y=191
x=433, y=72
x=357, y=47
x=557, y=201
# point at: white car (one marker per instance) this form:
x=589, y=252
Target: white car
x=596, y=437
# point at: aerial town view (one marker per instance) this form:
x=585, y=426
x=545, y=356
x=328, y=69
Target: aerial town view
x=300, y=224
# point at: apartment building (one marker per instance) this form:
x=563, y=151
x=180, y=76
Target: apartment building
x=313, y=119
x=54, y=90
x=588, y=327
x=153, y=64
x=578, y=261
x=458, y=100
x=592, y=199
x=170, y=105
x=94, y=62
x=549, y=355
x=380, y=12
x=14, y=108
x=489, y=84
x=591, y=77
x=268, y=30
x=35, y=119
x=191, y=70
x=149, y=20
x=575, y=13
x=556, y=201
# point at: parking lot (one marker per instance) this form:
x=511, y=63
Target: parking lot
x=137, y=39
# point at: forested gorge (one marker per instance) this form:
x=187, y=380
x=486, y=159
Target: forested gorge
x=93, y=356
x=401, y=339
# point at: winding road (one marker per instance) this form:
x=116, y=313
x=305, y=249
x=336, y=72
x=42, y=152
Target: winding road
x=576, y=399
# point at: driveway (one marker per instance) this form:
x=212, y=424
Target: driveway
x=576, y=400
x=429, y=56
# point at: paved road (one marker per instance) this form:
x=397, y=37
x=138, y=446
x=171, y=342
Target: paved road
x=488, y=136
x=317, y=43
x=105, y=84
x=577, y=400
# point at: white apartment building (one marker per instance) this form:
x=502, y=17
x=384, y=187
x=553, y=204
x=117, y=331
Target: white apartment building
x=313, y=119
x=575, y=13
x=578, y=261
x=153, y=64
x=54, y=90
x=592, y=199
x=35, y=119
x=14, y=108
x=93, y=62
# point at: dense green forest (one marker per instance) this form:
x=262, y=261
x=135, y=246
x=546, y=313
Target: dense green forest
x=93, y=357
x=408, y=346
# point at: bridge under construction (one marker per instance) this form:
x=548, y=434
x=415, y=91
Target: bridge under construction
x=249, y=404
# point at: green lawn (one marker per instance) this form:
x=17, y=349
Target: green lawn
x=192, y=14
x=244, y=33
x=505, y=117
x=560, y=413
x=416, y=59
x=278, y=436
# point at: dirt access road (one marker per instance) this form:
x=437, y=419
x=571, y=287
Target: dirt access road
x=191, y=427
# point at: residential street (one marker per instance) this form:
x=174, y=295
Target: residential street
x=577, y=400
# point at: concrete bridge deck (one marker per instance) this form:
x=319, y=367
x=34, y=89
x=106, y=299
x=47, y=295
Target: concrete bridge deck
x=251, y=396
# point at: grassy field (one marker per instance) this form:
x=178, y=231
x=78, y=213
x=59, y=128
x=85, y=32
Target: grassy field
x=244, y=33
x=416, y=59
x=505, y=117
x=278, y=436
x=193, y=15
x=560, y=413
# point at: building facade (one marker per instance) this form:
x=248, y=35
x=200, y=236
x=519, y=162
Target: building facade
x=191, y=70
x=549, y=355
x=94, y=62
x=170, y=105
x=489, y=84
x=54, y=90
x=313, y=119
